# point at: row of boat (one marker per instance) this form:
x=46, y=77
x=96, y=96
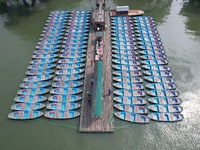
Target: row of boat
x=138, y=51
x=59, y=55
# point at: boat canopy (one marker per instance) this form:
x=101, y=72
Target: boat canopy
x=122, y=8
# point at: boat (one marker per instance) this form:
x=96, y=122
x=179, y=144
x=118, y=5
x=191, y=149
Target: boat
x=46, y=51
x=72, y=55
x=61, y=114
x=78, y=38
x=134, y=73
x=41, y=66
x=130, y=52
x=153, y=57
x=29, y=98
x=71, y=66
x=159, y=79
x=28, y=85
x=126, y=62
x=129, y=86
x=166, y=117
x=125, y=56
x=151, y=52
x=43, y=60
x=152, y=47
x=44, y=56
x=148, y=43
x=38, y=78
x=23, y=115
x=47, y=46
x=65, y=84
x=34, y=91
x=126, y=67
x=155, y=62
x=132, y=117
x=69, y=71
x=130, y=100
x=63, y=106
x=39, y=71
x=148, y=39
x=72, y=51
x=68, y=77
x=161, y=86
x=64, y=98
x=128, y=79
x=167, y=93
x=48, y=42
x=132, y=108
x=156, y=67
x=65, y=91
x=71, y=60
x=165, y=100
x=157, y=73
x=133, y=93
x=27, y=106
x=165, y=108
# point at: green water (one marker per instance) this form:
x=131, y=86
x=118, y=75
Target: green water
x=178, y=25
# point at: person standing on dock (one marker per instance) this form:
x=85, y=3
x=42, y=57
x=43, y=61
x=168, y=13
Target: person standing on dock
x=91, y=61
x=88, y=93
x=92, y=81
x=109, y=92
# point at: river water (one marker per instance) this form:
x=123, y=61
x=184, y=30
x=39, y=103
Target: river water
x=178, y=25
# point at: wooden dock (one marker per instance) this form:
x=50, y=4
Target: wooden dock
x=106, y=122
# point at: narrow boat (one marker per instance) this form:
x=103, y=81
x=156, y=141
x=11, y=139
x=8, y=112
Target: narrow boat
x=128, y=79
x=68, y=77
x=72, y=60
x=155, y=62
x=151, y=52
x=76, y=51
x=152, y=47
x=153, y=57
x=66, y=84
x=166, y=117
x=64, y=98
x=61, y=114
x=36, y=91
x=126, y=67
x=165, y=100
x=43, y=60
x=44, y=56
x=39, y=71
x=133, y=93
x=151, y=44
x=47, y=46
x=126, y=62
x=157, y=73
x=63, y=106
x=132, y=108
x=29, y=85
x=38, y=78
x=156, y=67
x=167, y=93
x=165, y=108
x=72, y=66
x=30, y=98
x=27, y=106
x=161, y=86
x=134, y=73
x=41, y=66
x=159, y=79
x=129, y=86
x=23, y=115
x=148, y=39
x=125, y=56
x=132, y=117
x=70, y=71
x=65, y=91
x=72, y=55
x=46, y=51
x=130, y=52
x=130, y=100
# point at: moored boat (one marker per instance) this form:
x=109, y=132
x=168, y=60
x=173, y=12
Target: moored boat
x=128, y=79
x=159, y=79
x=129, y=86
x=67, y=84
x=33, y=91
x=134, y=93
x=165, y=100
x=156, y=67
x=126, y=67
x=166, y=117
x=61, y=114
x=134, y=73
x=163, y=73
x=130, y=100
x=65, y=91
x=30, y=98
x=160, y=93
x=23, y=115
x=28, y=85
x=132, y=108
x=72, y=66
x=39, y=71
x=68, y=77
x=165, y=108
x=161, y=86
x=63, y=106
x=38, y=78
x=27, y=106
x=64, y=98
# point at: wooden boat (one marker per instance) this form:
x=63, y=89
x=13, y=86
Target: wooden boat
x=132, y=117
x=48, y=42
x=146, y=28
x=156, y=67
x=69, y=71
x=167, y=93
x=134, y=73
x=124, y=56
x=23, y=115
x=165, y=100
x=71, y=60
x=65, y=84
x=43, y=61
x=28, y=85
x=132, y=108
x=72, y=51
x=125, y=39
x=153, y=57
x=30, y=98
x=165, y=108
x=152, y=47
x=65, y=91
x=64, y=98
x=151, y=52
x=126, y=62
x=72, y=66
x=128, y=79
x=72, y=55
x=38, y=78
x=68, y=77
x=148, y=39
x=63, y=106
x=157, y=73
x=44, y=56
x=39, y=71
x=130, y=52
x=36, y=91
x=166, y=117
x=46, y=51
x=129, y=86
x=47, y=46
x=155, y=62
x=135, y=12
x=75, y=42
x=151, y=44
x=41, y=66
x=76, y=38
x=161, y=86
x=27, y=106
x=130, y=100
x=133, y=93
x=126, y=67
x=159, y=79
x=60, y=114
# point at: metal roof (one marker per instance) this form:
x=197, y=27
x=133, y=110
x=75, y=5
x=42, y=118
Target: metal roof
x=122, y=8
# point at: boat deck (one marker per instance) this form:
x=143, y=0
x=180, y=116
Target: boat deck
x=106, y=122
